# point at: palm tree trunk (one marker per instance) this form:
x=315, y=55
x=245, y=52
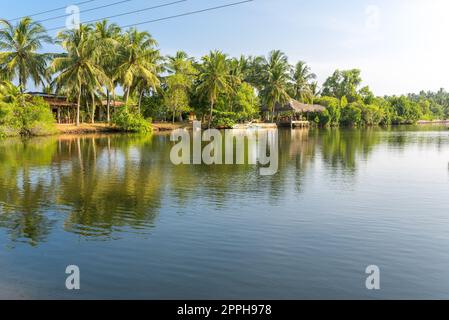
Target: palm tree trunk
x=21, y=84
x=93, y=107
x=140, y=101
x=78, y=105
x=211, y=110
x=108, y=112
x=113, y=98
x=127, y=96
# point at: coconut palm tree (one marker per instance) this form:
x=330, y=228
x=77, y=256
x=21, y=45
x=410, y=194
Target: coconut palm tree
x=214, y=78
x=302, y=78
x=276, y=76
x=78, y=69
x=179, y=82
x=18, y=51
x=9, y=93
x=107, y=37
x=138, y=58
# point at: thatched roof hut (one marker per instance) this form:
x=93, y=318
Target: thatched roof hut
x=295, y=107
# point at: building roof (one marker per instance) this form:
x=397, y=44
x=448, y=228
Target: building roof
x=53, y=100
x=113, y=103
x=296, y=106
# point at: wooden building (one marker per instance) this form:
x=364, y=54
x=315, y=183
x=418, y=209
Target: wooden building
x=65, y=111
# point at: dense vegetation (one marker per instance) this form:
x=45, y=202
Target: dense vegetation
x=21, y=114
x=98, y=60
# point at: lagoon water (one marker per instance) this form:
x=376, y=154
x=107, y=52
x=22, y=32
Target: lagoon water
x=139, y=227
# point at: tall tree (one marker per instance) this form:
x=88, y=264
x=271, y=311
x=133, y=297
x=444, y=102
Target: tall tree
x=302, y=82
x=179, y=82
x=107, y=37
x=343, y=84
x=276, y=80
x=19, y=57
x=78, y=68
x=214, y=78
x=138, y=59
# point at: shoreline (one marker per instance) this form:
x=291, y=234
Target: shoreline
x=432, y=122
x=87, y=128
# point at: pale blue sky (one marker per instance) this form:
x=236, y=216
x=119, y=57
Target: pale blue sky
x=400, y=45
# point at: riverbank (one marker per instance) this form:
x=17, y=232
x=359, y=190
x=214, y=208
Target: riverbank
x=433, y=122
x=106, y=128
x=86, y=128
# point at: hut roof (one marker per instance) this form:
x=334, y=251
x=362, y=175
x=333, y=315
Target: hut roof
x=296, y=106
x=53, y=100
x=113, y=103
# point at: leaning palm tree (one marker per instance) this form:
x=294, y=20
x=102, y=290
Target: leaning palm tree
x=302, y=77
x=138, y=58
x=214, y=78
x=276, y=80
x=78, y=68
x=18, y=51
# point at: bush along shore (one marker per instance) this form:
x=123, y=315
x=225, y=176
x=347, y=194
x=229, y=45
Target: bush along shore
x=100, y=59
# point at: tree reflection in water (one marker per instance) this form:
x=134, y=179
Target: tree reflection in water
x=100, y=186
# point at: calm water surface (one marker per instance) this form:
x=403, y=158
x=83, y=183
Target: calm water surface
x=139, y=227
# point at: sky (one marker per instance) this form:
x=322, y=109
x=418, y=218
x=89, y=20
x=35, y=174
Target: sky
x=401, y=46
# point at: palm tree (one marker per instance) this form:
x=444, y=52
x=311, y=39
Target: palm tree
x=107, y=37
x=302, y=77
x=138, y=59
x=180, y=63
x=78, y=68
x=18, y=51
x=9, y=93
x=314, y=89
x=276, y=80
x=214, y=78
x=179, y=82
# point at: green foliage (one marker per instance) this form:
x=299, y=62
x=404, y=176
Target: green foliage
x=372, y=115
x=224, y=119
x=131, y=122
x=36, y=118
x=333, y=110
x=351, y=115
x=343, y=83
x=22, y=115
x=405, y=110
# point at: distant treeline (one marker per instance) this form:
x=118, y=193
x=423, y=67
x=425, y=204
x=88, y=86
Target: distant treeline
x=99, y=58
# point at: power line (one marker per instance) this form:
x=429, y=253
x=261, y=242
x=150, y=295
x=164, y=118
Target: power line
x=129, y=12
x=188, y=13
x=86, y=10
x=165, y=18
x=51, y=10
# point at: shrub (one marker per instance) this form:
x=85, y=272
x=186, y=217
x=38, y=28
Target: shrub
x=333, y=109
x=351, y=115
x=26, y=117
x=224, y=119
x=9, y=122
x=131, y=122
x=36, y=118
